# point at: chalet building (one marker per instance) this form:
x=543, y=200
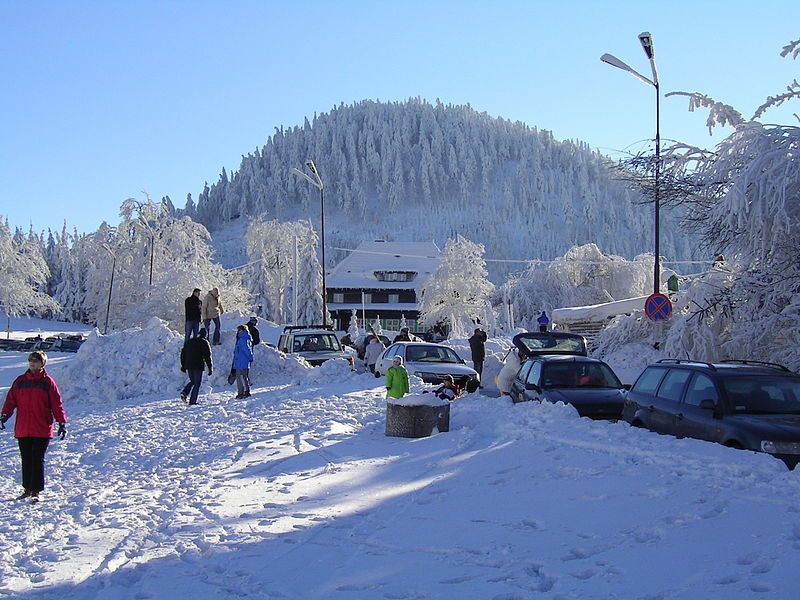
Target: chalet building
x=381, y=280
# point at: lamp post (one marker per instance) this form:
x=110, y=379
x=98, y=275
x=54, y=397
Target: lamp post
x=316, y=181
x=111, y=285
x=647, y=44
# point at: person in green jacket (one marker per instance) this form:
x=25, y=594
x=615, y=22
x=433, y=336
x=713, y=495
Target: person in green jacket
x=396, y=379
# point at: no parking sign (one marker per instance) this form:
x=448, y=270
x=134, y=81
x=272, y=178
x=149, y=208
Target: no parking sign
x=657, y=307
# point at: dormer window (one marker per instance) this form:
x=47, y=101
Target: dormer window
x=395, y=275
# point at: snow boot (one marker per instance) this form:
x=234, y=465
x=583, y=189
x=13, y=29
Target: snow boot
x=24, y=495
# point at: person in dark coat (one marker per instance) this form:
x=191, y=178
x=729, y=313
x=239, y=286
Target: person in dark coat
x=252, y=327
x=403, y=336
x=477, y=345
x=35, y=397
x=193, y=306
x=195, y=355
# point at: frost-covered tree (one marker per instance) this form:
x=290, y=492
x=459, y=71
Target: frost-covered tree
x=181, y=257
x=23, y=275
x=582, y=277
x=459, y=291
x=376, y=326
x=272, y=280
x=745, y=203
x=353, y=330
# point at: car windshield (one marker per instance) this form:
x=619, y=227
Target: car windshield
x=317, y=342
x=763, y=394
x=579, y=375
x=438, y=354
x=550, y=343
x=69, y=345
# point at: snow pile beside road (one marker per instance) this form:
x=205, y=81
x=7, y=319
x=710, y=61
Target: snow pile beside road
x=271, y=367
x=337, y=370
x=131, y=363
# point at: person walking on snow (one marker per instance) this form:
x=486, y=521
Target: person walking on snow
x=396, y=379
x=543, y=322
x=195, y=354
x=35, y=397
x=193, y=306
x=212, y=309
x=372, y=353
x=252, y=327
x=242, y=358
x=477, y=344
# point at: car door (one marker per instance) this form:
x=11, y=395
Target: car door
x=693, y=421
x=666, y=404
x=517, y=391
x=534, y=378
x=385, y=359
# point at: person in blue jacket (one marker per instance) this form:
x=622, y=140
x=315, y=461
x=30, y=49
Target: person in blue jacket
x=242, y=358
x=544, y=322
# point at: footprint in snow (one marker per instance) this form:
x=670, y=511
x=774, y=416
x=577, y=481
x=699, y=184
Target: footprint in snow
x=728, y=579
x=760, y=586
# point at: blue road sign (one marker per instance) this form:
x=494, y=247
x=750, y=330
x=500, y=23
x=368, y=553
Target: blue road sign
x=657, y=307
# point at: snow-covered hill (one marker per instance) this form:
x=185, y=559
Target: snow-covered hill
x=296, y=493
x=416, y=171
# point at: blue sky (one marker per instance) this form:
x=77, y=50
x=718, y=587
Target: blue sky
x=105, y=100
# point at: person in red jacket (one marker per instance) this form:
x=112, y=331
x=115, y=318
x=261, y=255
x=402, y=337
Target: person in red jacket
x=35, y=397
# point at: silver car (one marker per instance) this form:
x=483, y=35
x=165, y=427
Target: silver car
x=429, y=362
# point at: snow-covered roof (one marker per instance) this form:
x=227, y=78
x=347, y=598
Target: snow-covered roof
x=598, y=312
x=357, y=270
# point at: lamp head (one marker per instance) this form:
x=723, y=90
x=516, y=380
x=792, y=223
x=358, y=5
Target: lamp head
x=312, y=167
x=647, y=43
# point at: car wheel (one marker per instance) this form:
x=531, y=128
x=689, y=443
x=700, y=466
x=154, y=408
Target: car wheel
x=734, y=444
x=377, y=374
x=637, y=423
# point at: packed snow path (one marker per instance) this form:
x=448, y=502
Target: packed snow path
x=296, y=493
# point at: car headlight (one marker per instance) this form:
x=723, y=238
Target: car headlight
x=422, y=375
x=780, y=447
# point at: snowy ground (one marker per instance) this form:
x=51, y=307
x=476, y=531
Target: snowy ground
x=296, y=493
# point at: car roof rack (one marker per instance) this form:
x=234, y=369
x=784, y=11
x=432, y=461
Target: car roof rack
x=298, y=327
x=685, y=361
x=756, y=363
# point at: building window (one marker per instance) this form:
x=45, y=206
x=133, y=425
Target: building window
x=338, y=298
x=366, y=298
x=394, y=298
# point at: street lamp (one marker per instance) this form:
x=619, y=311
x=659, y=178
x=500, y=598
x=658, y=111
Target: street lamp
x=647, y=44
x=111, y=286
x=316, y=181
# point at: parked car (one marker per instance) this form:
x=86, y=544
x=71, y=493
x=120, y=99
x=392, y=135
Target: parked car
x=742, y=404
x=429, y=362
x=314, y=343
x=557, y=369
x=10, y=344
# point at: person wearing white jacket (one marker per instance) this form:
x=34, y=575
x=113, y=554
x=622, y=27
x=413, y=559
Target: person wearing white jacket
x=372, y=353
x=507, y=373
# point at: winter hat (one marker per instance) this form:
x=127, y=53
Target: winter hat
x=38, y=356
x=202, y=333
x=397, y=360
x=253, y=320
x=448, y=378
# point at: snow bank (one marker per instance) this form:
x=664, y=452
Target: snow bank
x=334, y=371
x=136, y=362
x=418, y=400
